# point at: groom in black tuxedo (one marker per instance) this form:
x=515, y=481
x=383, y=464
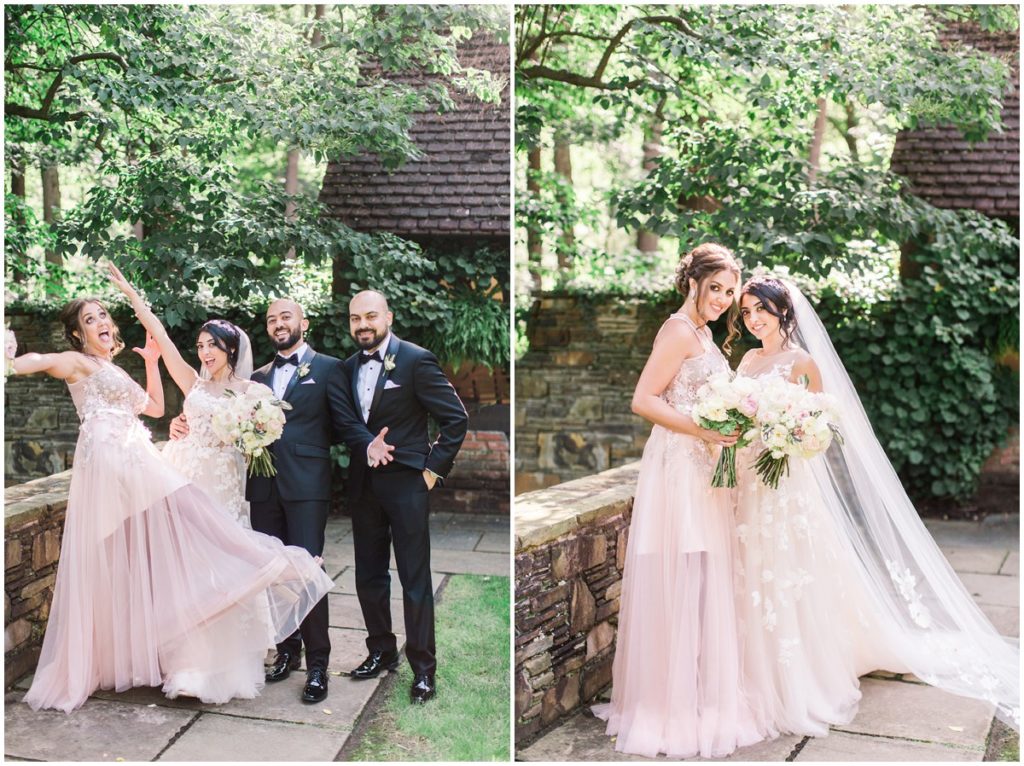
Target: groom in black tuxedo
x=395, y=386
x=293, y=505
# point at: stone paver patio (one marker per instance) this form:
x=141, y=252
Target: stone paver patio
x=900, y=719
x=142, y=725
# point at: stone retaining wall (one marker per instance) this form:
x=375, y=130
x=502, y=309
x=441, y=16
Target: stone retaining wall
x=33, y=527
x=574, y=386
x=570, y=552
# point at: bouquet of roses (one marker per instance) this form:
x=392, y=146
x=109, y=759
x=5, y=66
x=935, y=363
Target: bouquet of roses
x=793, y=422
x=725, y=404
x=251, y=421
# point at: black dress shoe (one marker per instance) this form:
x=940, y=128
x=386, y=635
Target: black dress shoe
x=423, y=689
x=375, y=663
x=315, y=689
x=284, y=664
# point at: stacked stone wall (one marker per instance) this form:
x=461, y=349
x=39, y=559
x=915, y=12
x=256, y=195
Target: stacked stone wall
x=575, y=384
x=570, y=553
x=33, y=527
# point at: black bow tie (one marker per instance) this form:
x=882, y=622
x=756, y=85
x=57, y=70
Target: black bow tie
x=280, y=361
x=364, y=358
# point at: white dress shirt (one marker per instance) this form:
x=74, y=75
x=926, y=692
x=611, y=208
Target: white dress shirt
x=284, y=373
x=366, y=380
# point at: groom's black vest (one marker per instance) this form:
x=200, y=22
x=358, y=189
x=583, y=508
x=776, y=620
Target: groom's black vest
x=320, y=403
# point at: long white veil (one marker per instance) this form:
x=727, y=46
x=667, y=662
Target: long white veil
x=938, y=632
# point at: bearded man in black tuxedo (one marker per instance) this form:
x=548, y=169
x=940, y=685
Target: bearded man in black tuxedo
x=395, y=386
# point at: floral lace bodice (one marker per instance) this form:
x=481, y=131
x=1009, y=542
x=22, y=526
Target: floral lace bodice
x=756, y=366
x=109, y=403
x=216, y=468
x=108, y=390
x=681, y=393
x=694, y=372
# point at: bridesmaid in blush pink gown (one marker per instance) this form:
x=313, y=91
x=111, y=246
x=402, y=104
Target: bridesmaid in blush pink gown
x=676, y=676
x=157, y=584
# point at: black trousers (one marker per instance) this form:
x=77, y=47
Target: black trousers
x=300, y=523
x=393, y=508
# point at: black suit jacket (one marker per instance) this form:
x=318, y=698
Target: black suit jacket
x=321, y=404
x=405, y=395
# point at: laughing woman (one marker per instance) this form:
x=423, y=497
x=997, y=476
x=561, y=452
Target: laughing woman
x=157, y=584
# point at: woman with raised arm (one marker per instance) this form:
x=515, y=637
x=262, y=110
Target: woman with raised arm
x=225, y=360
x=157, y=584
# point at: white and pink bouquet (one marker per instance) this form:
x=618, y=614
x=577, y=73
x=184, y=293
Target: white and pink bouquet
x=252, y=420
x=792, y=422
x=726, y=404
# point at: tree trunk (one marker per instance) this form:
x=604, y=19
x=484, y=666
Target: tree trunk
x=18, y=190
x=851, y=124
x=291, y=176
x=816, y=142
x=534, y=240
x=563, y=166
x=318, y=13
x=647, y=241
x=51, y=204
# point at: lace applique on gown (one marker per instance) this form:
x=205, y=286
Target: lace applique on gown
x=157, y=584
x=676, y=675
x=216, y=468
x=808, y=631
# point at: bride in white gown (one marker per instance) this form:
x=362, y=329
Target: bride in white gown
x=837, y=574
x=226, y=358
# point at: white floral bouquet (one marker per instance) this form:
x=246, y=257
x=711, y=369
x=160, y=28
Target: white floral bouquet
x=10, y=351
x=792, y=422
x=726, y=404
x=251, y=421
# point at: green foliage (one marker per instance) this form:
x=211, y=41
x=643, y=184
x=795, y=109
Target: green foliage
x=169, y=112
x=737, y=90
x=924, y=360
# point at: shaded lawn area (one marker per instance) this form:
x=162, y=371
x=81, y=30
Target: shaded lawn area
x=469, y=718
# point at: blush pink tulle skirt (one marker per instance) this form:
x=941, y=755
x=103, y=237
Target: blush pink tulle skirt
x=676, y=684
x=158, y=586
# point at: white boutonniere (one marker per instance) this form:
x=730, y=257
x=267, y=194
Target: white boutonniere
x=389, y=362
x=303, y=370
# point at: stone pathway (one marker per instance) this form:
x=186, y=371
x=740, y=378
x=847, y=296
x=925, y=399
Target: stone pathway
x=900, y=719
x=142, y=725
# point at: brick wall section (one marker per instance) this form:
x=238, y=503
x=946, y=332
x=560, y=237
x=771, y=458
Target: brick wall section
x=479, y=482
x=570, y=552
x=945, y=169
x=575, y=384
x=33, y=527
x=458, y=188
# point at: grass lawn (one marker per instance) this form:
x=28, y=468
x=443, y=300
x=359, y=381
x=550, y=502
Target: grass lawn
x=469, y=718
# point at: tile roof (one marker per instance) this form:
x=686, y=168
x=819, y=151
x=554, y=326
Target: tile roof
x=949, y=172
x=459, y=189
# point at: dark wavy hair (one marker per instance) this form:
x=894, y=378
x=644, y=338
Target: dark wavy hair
x=701, y=263
x=70, y=318
x=226, y=337
x=776, y=301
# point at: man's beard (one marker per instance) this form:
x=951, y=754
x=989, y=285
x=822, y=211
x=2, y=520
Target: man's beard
x=294, y=336
x=371, y=342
